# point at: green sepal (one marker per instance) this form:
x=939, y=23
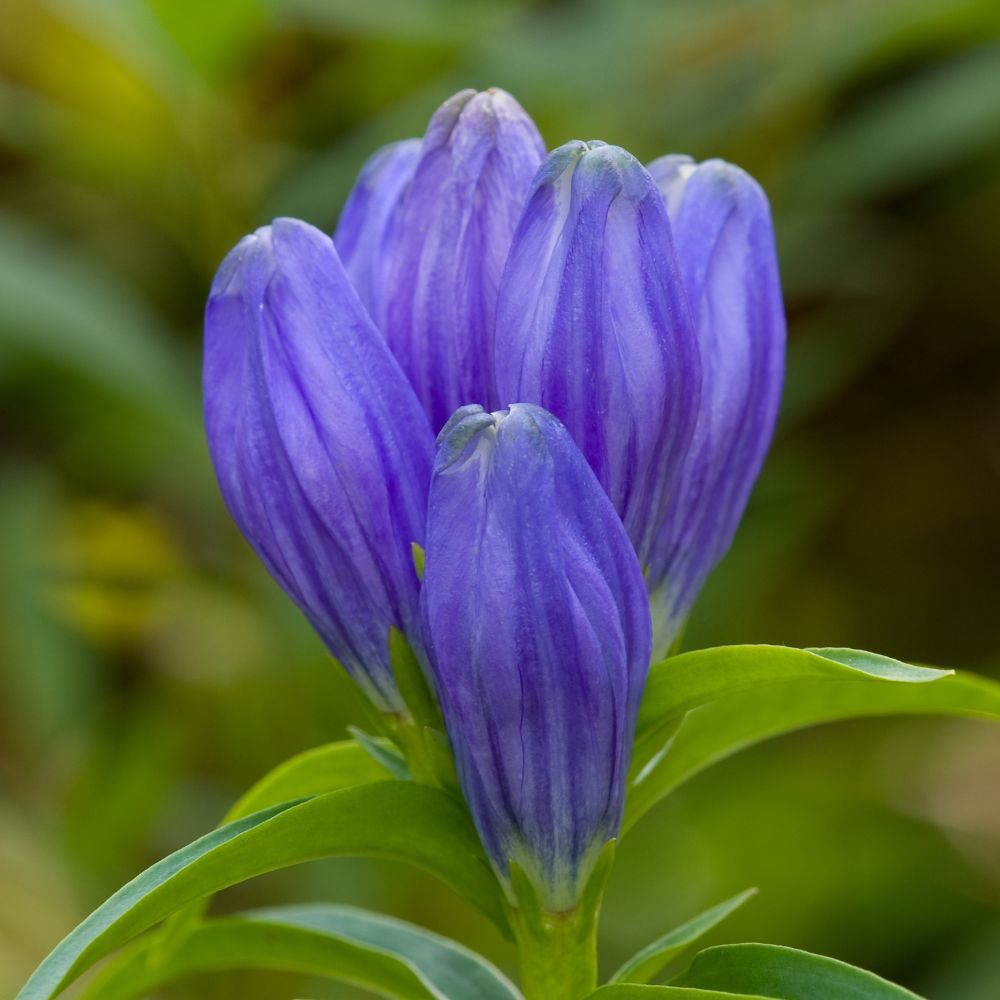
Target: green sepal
x=412, y=683
x=384, y=752
x=418, y=559
x=441, y=759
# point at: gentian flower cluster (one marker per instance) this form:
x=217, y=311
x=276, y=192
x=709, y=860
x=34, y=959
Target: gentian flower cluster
x=598, y=346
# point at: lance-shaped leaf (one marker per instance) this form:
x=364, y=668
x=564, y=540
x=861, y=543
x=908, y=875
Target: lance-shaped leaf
x=644, y=965
x=593, y=325
x=389, y=957
x=322, y=451
x=785, y=974
x=539, y=632
x=724, y=239
x=449, y=243
x=364, y=231
x=358, y=822
x=694, y=721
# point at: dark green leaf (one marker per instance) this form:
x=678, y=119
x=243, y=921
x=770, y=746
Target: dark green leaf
x=635, y=991
x=786, y=974
x=366, y=821
x=645, y=964
x=387, y=956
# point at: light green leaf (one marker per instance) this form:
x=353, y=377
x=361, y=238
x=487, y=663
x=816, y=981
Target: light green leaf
x=751, y=714
x=786, y=974
x=682, y=682
x=635, y=991
x=328, y=768
x=436, y=836
x=645, y=964
x=387, y=956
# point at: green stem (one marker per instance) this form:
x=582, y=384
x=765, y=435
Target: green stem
x=557, y=953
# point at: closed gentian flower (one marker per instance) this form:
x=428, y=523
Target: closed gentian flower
x=592, y=324
x=725, y=244
x=365, y=230
x=447, y=243
x=322, y=450
x=539, y=633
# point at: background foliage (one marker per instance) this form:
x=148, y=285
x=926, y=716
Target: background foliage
x=149, y=670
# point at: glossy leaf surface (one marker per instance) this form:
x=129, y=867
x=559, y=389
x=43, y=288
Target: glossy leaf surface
x=387, y=956
x=645, y=964
x=361, y=822
x=786, y=974
x=773, y=690
x=635, y=991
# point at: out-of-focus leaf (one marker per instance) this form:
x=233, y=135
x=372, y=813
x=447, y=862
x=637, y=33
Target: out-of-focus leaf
x=387, y=956
x=738, y=720
x=919, y=128
x=70, y=313
x=214, y=36
x=786, y=974
x=360, y=822
x=440, y=21
x=645, y=964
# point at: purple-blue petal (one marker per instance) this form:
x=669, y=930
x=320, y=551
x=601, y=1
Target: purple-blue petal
x=725, y=243
x=364, y=231
x=592, y=323
x=449, y=243
x=322, y=451
x=539, y=633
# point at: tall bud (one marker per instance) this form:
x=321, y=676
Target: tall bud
x=725, y=244
x=321, y=449
x=540, y=640
x=592, y=324
x=448, y=244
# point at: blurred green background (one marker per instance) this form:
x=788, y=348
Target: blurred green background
x=150, y=669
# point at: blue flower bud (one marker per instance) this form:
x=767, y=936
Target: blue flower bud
x=448, y=244
x=321, y=449
x=538, y=624
x=365, y=230
x=725, y=244
x=592, y=324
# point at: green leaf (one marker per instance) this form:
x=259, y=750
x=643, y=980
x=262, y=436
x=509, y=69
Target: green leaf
x=786, y=974
x=682, y=682
x=328, y=768
x=366, y=821
x=701, y=706
x=381, y=954
x=645, y=964
x=713, y=731
x=634, y=991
